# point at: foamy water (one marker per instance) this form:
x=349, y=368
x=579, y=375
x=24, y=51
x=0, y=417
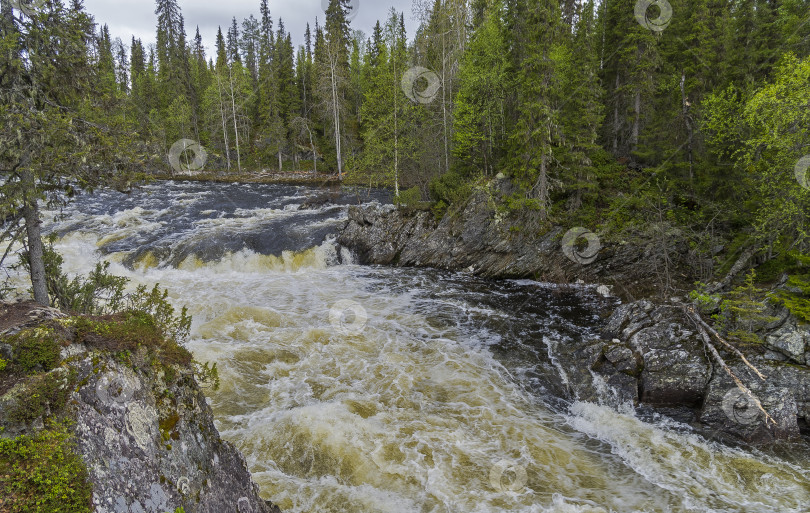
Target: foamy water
x=430, y=401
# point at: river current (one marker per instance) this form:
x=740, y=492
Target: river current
x=371, y=389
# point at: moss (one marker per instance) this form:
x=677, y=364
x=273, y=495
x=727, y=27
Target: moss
x=41, y=395
x=43, y=474
x=125, y=333
x=35, y=350
x=168, y=425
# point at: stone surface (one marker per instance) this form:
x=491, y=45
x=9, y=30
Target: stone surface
x=145, y=433
x=479, y=239
x=650, y=354
x=790, y=340
x=152, y=446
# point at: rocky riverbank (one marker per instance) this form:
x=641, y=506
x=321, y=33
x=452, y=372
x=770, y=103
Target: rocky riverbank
x=652, y=353
x=140, y=424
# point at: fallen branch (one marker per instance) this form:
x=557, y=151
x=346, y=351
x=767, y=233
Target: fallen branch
x=705, y=332
x=698, y=319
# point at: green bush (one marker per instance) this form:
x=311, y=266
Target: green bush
x=43, y=394
x=99, y=293
x=409, y=197
x=451, y=188
x=35, y=349
x=796, y=297
x=743, y=311
x=43, y=474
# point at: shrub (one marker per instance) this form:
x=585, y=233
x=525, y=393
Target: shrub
x=43, y=474
x=35, y=350
x=99, y=293
x=409, y=198
x=796, y=297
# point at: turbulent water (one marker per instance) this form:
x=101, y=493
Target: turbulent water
x=365, y=389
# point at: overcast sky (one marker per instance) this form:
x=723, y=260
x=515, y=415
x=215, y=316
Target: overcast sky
x=137, y=17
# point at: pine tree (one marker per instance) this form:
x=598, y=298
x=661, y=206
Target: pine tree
x=536, y=25
x=56, y=131
x=333, y=70
x=479, y=124
x=233, y=43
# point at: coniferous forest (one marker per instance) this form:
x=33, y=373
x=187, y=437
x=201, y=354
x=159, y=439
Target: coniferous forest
x=690, y=116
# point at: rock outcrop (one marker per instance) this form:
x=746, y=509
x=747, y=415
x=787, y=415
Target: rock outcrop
x=479, y=239
x=144, y=431
x=651, y=355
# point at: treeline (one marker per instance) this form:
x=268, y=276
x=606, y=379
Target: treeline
x=687, y=118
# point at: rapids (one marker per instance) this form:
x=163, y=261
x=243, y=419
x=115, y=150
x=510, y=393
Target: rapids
x=368, y=389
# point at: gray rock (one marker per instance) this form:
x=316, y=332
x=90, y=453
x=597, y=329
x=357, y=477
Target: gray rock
x=789, y=340
x=153, y=447
x=731, y=411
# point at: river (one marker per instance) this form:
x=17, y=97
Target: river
x=368, y=389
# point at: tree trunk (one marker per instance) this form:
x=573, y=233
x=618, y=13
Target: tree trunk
x=636, y=120
x=616, y=122
x=235, y=129
x=36, y=251
x=688, y=122
x=224, y=127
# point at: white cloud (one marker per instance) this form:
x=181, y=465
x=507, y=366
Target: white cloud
x=137, y=17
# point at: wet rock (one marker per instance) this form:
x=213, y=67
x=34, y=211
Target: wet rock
x=675, y=377
x=731, y=411
x=479, y=238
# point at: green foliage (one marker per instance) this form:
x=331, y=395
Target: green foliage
x=796, y=296
x=35, y=349
x=43, y=396
x=451, y=188
x=409, y=198
x=155, y=303
x=43, y=474
x=100, y=293
x=3, y=364
x=705, y=302
x=207, y=375
x=743, y=311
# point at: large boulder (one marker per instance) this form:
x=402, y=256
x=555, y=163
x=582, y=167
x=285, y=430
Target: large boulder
x=150, y=444
x=142, y=425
